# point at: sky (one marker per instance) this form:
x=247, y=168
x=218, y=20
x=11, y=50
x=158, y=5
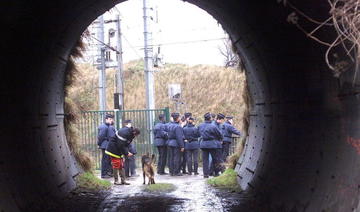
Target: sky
x=186, y=33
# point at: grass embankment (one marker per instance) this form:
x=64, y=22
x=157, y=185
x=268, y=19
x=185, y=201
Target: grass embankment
x=204, y=88
x=227, y=180
x=160, y=187
x=88, y=180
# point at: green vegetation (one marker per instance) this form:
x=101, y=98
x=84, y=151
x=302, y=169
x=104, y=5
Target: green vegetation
x=227, y=180
x=160, y=187
x=88, y=180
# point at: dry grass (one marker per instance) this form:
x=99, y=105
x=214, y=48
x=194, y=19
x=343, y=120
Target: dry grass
x=204, y=89
x=72, y=110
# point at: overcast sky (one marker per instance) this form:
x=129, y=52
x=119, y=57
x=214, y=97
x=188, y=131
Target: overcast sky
x=187, y=33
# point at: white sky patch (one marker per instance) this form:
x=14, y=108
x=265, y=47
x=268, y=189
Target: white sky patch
x=186, y=33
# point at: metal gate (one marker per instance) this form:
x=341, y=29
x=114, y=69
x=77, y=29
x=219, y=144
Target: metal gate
x=90, y=121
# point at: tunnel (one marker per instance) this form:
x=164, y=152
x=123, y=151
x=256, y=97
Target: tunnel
x=302, y=152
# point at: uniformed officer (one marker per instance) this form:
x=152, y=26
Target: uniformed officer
x=118, y=148
x=176, y=144
x=130, y=166
x=192, y=146
x=161, y=137
x=219, y=123
x=105, y=132
x=228, y=130
x=184, y=123
x=211, y=138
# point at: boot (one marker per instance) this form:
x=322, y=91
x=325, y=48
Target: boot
x=122, y=176
x=116, y=176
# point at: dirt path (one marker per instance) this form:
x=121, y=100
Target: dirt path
x=192, y=194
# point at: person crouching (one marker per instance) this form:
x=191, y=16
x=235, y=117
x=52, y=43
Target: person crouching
x=118, y=148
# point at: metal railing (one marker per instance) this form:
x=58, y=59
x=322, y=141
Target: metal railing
x=91, y=120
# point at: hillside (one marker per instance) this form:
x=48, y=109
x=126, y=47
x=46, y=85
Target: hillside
x=204, y=88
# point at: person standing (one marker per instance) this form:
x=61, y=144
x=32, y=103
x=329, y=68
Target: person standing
x=176, y=144
x=105, y=132
x=161, y=137
x=211, y=137
x=130, y=166
x=118, y=148
x=192, y=146
x=228, y=130
x=219, y=123
x=184, y=123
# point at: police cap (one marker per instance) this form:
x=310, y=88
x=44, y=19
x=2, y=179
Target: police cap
x=108, y=115
x=229, y=117
x=187, y=115
x=220, y=116
x=175, y=115
x=127, y=121
x=161, y=116
x=207, y=116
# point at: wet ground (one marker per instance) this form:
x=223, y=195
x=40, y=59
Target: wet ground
x=191, y=194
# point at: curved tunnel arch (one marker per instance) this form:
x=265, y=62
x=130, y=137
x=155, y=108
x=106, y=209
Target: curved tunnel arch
x=303, y=143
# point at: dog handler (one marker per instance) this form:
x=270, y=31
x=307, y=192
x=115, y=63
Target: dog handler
x=118, y=149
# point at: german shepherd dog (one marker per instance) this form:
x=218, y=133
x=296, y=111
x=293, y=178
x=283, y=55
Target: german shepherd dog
x=148, y=168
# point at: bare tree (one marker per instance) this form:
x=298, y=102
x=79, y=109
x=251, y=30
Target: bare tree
x=231, y=59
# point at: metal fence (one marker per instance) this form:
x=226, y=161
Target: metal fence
x=90, y=121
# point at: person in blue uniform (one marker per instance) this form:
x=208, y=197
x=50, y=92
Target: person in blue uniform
x=219, y=121
x=130, y=165
x=161, y=137
x=211, y=138
x=175, y=144
x=228, y=130
x=192, y=146
x=106, y=131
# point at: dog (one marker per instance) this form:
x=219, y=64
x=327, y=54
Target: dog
x=148, y=168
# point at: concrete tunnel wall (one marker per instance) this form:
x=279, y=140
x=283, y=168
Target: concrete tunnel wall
x=302, y=152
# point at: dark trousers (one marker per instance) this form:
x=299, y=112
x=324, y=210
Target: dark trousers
x=130, y=166
x=162, y=159
x=205, y=158
x=183, y=161
x=174, y=160
x=106, y=168
x=219, y=165
x=225, y=150
x=192, y=160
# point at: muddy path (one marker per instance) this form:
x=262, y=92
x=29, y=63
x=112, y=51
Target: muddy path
x=191, y=194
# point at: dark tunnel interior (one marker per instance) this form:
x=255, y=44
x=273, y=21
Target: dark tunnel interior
x=302, y=153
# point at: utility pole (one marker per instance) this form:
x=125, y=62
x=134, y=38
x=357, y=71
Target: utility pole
x=119, y=89
x=148, y=67
x=102, y=75
x=148, y=60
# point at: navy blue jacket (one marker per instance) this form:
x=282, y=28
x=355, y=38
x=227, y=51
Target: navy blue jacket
x=106, y=132
x=228, y=130
x=211, y=136
x=132, y=148
x=120, y=144
x=160, y=134
x=192, y=135
x=175, y=134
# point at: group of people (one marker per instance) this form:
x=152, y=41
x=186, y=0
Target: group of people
x=179, y=141
x=118, y=151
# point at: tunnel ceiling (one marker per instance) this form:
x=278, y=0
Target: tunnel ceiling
x=302, y=152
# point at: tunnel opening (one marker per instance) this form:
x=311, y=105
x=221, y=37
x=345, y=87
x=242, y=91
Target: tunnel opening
x=303, y=134
x=195, y=75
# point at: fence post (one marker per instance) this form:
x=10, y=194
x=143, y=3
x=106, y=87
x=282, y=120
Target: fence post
x=116, y=117
x=167, y=114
